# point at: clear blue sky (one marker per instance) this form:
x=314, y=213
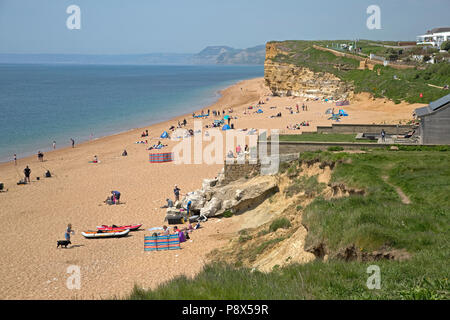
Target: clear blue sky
x=187, y=26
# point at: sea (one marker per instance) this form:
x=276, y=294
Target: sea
x=40, y=104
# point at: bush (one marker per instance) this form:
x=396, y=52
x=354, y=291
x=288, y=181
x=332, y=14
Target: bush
x=335, y=148
x=228, y=214
x=280, y=223
x=445, y=45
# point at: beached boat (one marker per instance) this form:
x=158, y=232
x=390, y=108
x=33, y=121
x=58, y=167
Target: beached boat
x=105, y=234
x=132, y=227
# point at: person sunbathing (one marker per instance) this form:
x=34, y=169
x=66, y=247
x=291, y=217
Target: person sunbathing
x=230, y=154
x=409, y=134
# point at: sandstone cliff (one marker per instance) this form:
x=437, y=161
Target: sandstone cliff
x=286, y=79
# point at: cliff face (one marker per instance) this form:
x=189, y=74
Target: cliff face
x=286, y=79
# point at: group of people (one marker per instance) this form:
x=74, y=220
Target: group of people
x=217, y=113
x=27, y=175
x=239, y=151
x=183, y=234
x=278, y=115
x=144, y=134
x=298, y=126
x=179, y=125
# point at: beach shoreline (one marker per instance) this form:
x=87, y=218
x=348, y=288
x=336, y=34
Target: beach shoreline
x=217, y=93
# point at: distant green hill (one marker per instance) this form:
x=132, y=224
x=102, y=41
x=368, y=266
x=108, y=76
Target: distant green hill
x=395, y=84
x=228, y=55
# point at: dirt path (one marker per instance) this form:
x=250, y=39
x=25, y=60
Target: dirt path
x=399, y=191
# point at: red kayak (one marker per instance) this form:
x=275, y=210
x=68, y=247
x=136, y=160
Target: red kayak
x=131, y=227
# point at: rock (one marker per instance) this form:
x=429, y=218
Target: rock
x=172, y=211
x=238, y=194
x=208, y=183
x=210, y=209
x=197, y=199
x=208, y=195
x=229, y=204
x=249, y=193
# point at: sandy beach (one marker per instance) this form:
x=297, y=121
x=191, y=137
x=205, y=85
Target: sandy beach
x=34, y=216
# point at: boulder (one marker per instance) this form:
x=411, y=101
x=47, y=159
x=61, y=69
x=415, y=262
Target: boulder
x=210, y=209
x=229, y=204
x=172, y=211
x=197, y=199
x=208, y=183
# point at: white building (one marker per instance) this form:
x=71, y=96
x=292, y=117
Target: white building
x=435, y=37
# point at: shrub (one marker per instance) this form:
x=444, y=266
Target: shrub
x=445, y=45
x=228, y=214
x=280, y=223
x=335, y=148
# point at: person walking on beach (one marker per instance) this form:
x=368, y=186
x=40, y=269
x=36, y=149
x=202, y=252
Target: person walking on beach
x=73, y=142
x=40, y=156
x=27, y=172
x=68, y=232
x=15, y=159
x=176, y=191
x=54, y=144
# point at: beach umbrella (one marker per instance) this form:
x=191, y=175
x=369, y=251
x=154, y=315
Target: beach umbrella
x=226, y=117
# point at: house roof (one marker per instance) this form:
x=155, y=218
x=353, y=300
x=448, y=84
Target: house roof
x=433, y=106
x=438, y=30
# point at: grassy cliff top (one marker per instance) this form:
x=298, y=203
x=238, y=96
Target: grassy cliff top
x=395, y=84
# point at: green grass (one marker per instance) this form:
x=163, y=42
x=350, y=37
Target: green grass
x=309, y=185
x=280, y=223
x=377, y=219
x=323, y=137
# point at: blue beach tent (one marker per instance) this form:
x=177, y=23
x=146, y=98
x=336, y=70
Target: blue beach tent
x=226, y=127
x=259, y=111
x=165, y=135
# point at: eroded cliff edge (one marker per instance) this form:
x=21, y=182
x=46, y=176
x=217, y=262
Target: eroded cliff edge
x=287, y=79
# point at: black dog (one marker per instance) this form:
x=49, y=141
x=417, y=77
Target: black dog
x=64, y=243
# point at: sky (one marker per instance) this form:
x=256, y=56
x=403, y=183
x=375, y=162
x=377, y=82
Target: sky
x=188, y=26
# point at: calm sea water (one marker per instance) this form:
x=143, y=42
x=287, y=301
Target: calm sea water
x=42, y=103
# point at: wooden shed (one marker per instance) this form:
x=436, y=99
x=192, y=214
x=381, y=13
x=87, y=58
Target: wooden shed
x=435, y=122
